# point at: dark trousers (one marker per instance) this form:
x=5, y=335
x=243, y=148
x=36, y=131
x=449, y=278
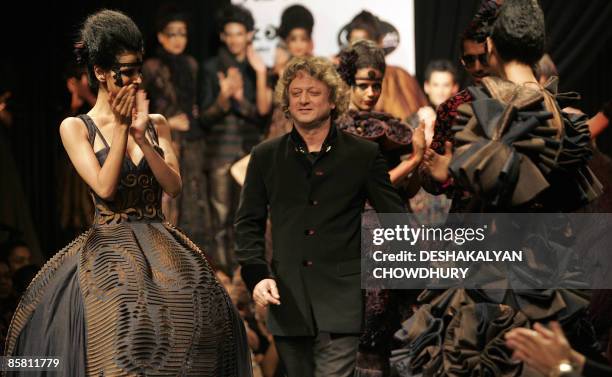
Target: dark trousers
x=195, y=217
x=327, y=355
x=224, y=196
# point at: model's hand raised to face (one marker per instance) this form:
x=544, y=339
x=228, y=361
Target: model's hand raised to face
x=122, y=104
x=140, y=117
x=266, y=293
x=255, y=60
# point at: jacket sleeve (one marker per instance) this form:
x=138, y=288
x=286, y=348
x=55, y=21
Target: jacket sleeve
x=594, y=369
x=443, y=132
x=250, y=226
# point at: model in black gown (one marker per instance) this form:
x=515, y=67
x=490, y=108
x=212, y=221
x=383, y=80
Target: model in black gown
x=132, y=296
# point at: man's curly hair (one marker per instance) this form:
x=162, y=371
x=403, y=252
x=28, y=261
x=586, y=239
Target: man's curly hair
x=320, y=69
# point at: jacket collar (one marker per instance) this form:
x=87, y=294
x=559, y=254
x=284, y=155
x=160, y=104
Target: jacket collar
x=300, y=144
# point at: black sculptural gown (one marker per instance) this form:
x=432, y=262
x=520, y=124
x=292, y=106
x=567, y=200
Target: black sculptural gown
x=132, y=296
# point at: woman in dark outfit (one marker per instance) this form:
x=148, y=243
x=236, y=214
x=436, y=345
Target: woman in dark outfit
x=500, y=162
x=132, y=295
x=170, y=78
x=362, y=67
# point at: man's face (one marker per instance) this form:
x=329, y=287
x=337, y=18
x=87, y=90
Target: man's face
x=475, y=60
x=6, y=282
x=309, y=103
x=174, y=37
x=358, y=34
x=19, y=257
x=367, y=89
x=440, y=87
x=236, y=38
x=299, y=43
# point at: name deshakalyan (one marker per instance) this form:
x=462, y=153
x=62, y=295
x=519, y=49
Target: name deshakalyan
x=452, y=256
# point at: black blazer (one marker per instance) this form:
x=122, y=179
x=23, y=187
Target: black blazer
x=315, y=208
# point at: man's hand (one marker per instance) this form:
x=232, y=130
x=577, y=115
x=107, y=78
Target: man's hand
x=528, y=344
x=427, y=115
x=266, y=293
x=179, y=122
x=256, y=61
x=418, y=142
x=226, y=86
x=437, y=165
x=235, y=76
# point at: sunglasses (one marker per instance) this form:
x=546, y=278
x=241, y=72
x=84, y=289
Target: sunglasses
x=470, y=60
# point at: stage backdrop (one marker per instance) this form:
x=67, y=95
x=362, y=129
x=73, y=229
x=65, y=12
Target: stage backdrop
x=330, y=17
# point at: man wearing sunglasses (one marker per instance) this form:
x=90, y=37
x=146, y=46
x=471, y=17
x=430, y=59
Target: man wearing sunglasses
x=473, y=41
x=474, y=58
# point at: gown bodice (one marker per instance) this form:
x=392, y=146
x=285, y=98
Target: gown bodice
x=138, y=195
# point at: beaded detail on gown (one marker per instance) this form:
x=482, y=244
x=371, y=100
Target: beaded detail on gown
x=133, y=296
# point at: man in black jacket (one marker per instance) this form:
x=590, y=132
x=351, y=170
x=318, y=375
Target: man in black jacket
x=314, y=182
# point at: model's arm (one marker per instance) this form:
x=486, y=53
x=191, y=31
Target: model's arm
x=103, y=179
x=165, y=169
x=407, y=166
x=597, y=124
x=263, y=94
x=432, y=172
x=216, y=90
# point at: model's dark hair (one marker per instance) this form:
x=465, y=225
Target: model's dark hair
x=105, y=35
x=519, y=31
x=481, y=25
x=294, y=17
x=368, y=22
x=169, y=13
x=440, y=66
x=235, y=13
x=361, y=54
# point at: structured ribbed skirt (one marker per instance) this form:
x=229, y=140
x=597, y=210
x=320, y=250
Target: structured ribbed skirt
x=131, y=299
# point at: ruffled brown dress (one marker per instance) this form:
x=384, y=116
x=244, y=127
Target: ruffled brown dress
x=132, y=296
x=515, y=151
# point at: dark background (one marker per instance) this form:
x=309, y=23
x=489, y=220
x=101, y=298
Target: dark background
x=37, y=44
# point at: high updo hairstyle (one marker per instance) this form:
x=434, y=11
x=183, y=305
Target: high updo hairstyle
x=519, y=31
x=295, y=17
x=481, y=25
x=104, y=35
x=235, y=13
x=168, y=13
x=368, y=22
x=361, y=54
